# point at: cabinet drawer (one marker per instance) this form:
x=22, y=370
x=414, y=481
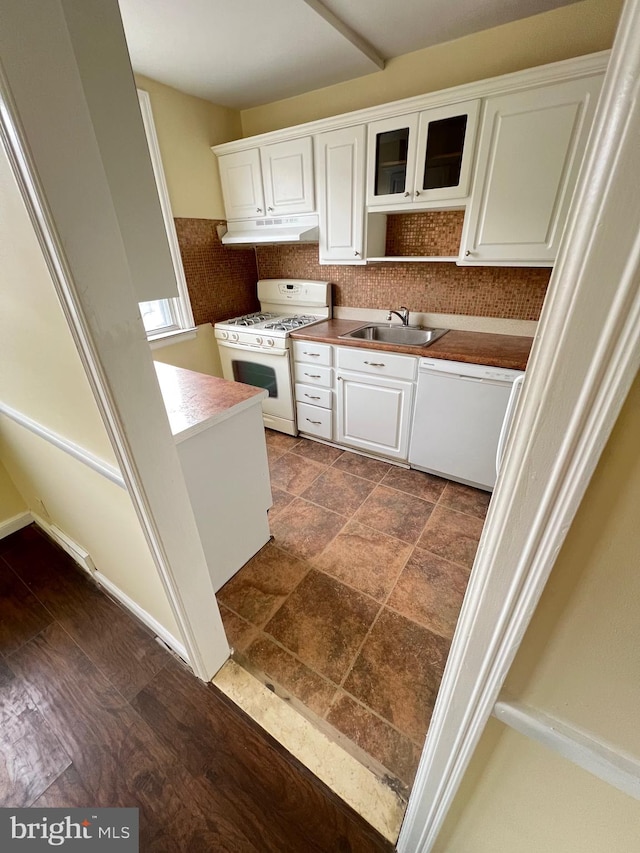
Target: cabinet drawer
x=312, y=353
x=313, y=374
x=377, y=362
x=322, y=397
x=314, y=420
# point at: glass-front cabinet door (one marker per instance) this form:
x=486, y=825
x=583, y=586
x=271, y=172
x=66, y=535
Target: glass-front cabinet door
x=392, y=160
x=446, y=140
x=422, y=158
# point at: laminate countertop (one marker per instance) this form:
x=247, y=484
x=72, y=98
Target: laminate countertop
x=196, y=401
x=508, y=351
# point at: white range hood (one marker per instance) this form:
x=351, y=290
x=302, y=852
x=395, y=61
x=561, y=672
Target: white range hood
x=277, y=229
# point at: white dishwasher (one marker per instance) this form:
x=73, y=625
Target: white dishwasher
x=458, y=417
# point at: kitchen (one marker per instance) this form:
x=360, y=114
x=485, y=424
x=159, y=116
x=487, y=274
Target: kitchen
x=458, y=296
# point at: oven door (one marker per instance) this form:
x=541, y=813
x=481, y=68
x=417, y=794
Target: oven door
x=263, y=369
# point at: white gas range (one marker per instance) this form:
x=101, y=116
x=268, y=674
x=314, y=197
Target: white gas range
x=256, y=348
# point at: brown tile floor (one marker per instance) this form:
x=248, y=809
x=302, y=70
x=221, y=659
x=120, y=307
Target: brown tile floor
x=352, y=606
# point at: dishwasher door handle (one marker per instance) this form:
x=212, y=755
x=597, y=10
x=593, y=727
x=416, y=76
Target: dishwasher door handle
x=508, y=420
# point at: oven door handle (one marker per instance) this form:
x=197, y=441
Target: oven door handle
x=249, y=348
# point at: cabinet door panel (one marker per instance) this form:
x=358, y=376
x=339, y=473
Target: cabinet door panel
x=392, y=149
x=446, y=144
x=241, y=179
x=288, y=176
x=528, y=160
x=341, y=172
x=374, y=414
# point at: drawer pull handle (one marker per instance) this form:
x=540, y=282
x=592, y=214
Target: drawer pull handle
x=375, y=363
x=313, y=354
x=311, y=397
x=317, y=423
x=313, y=375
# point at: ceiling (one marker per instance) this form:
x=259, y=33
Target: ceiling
x=241, y=53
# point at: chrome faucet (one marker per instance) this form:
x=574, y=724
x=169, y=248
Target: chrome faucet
x=403, y=313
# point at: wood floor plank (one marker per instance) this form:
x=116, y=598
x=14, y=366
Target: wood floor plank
x=120, y=646
x=32, y=756
x=117, y=757
x=67, y=792
x=243, y=763
x=22, y=616
x=204, y=777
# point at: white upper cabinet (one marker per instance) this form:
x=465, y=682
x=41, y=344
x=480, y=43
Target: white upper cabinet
x=422, y=160
x=241, y=179
x=530, y=149
x=340, y=163
x=270, y=181
x=287, y=172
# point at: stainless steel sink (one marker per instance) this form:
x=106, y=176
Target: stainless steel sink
x=388, y=333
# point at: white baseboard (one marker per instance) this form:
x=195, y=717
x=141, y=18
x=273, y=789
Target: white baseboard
x=15, y=523
x=143, y=616
x=83, y=559
x=75, y=551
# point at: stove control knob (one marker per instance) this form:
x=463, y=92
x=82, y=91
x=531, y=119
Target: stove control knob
x=235, y=336
x=224, y=335
x=269, y=342
x=259, y=341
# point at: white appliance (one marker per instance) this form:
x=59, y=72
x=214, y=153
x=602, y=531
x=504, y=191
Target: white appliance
x=458, y=419
x=256, y=348
x=279, y=229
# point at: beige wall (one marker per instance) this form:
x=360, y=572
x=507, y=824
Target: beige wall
x=11, y=502
x=187, y=127
x=578, y=661
x=562, y=33
x=42, y=377
x=199, y=353
x=92, y=510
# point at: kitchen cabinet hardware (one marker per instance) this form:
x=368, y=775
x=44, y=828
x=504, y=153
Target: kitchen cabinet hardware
x=375, y=363
x=313, y=375
x=312, y=396
x=270, y=209
x=258, y=210
x=467, y=253
x=313, y=354
x=407, y=194
x=317, y=423
x=357, y=254
x=417, y=192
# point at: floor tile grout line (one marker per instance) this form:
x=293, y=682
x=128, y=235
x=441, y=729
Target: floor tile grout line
x=293, y=654
x=381, y=718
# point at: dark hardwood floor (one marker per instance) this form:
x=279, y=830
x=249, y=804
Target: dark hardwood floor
x=93, y=712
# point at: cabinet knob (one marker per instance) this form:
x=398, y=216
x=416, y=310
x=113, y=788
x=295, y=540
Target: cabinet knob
x=407, y=194
x=467, y=253
x=270, y=209
x=357, y=254
x=258, y=210
x=417, y=192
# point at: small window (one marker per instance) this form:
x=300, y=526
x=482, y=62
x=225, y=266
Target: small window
x=159, y=316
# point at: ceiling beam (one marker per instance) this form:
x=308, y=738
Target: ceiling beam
x=351, y=35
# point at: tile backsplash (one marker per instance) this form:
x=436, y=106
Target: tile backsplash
x=417, y=234
x=222, y=281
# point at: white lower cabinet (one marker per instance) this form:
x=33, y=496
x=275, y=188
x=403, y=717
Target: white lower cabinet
x=374, y=413
x=314, y=388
